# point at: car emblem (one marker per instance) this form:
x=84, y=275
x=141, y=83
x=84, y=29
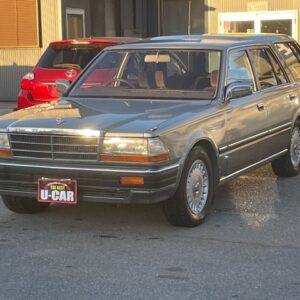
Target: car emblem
x=71, y=73
x=59, y=121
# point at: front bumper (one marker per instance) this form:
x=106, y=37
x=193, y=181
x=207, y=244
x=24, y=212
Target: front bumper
x=95, y=183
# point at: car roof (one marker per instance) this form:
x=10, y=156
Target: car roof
x=219, y=41
x=105, y=41
x=262, y=37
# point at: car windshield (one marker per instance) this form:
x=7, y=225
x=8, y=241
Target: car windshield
x=68, y=56
x=152, y=73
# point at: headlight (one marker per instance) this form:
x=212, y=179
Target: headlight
x=4, y=141
x=134, y=150
x=4, y=145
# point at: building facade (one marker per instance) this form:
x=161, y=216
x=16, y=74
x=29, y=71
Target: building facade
x=28, y=26
x=255, y=16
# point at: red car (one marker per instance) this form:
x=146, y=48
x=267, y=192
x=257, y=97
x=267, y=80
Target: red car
x=61, y=60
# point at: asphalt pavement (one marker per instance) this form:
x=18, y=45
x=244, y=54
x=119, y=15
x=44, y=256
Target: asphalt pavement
x=248, y=248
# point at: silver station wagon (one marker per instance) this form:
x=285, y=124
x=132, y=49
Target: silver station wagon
x=166, y=119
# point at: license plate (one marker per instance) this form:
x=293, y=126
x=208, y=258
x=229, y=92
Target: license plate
x=52, y=190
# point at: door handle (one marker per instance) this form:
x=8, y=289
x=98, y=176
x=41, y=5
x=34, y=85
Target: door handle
x=260, y=106
x=292, y=97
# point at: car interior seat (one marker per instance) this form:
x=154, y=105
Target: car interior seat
x=160, y=79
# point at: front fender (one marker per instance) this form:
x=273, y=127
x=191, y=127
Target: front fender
x=197, y=138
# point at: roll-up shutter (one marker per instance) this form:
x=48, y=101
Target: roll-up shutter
x=18, y=23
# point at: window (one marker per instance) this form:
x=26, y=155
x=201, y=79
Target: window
x=290, y=58
x=239, y=68
x=295, y=49
x=75, y=23
x=19, y=23
x=260, y=22
x=265, y=73
x=281, y=78
x=239, y=26
x=68, y=56
x=159, y=73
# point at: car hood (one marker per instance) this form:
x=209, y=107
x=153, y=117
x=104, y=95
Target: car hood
x=107, y=115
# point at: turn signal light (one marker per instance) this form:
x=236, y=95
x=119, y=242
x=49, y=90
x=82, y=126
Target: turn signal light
x=135, y=158
x=5, y=152
x=132, y=180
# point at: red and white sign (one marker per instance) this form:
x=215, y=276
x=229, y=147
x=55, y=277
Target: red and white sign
x=57, y=190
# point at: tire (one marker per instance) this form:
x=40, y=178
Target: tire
x=23, y=205
x=288, y=165
x=191, y=202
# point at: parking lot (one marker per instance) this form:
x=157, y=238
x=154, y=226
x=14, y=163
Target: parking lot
x=248, y=248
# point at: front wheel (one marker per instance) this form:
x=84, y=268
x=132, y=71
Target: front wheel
x=288, y=165
x=192, y=200
x=22, y=205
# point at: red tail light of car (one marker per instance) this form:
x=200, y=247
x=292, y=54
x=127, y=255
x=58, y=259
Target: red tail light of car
x=27, y=82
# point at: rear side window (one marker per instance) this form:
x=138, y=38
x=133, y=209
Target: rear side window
x=288, y=51
x=265, y=73
x=281, y=78
x=67, y=57
x=239, y=68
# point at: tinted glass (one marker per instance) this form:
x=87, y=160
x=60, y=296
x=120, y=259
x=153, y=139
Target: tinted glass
x=239, y=68
x=67, y=57
x=196, y=72
x=281, y=79
x=290, y=58
x=263, y=67
x=239, y=26
x=276, y=26
x=296, y=50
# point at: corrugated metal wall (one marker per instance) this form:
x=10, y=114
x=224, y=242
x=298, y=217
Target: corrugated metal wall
x=16, y=62
x=218, y=6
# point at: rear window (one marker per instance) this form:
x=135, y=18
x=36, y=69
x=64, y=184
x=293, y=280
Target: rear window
x=64, y=57
x=292, y=59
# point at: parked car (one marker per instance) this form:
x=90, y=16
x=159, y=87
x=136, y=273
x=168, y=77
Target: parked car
x=62, y=60
x=163, y=120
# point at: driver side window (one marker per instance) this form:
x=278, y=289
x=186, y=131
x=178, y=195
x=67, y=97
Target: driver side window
x=239, y=68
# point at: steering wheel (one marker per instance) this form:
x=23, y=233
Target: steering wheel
x=120, y=80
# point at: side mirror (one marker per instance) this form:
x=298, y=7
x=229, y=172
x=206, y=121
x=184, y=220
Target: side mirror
x=62, y=85
x=237, y=90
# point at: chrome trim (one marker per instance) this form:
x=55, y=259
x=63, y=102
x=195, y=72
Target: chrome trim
x=36, y=130
x=267, y=133
x=59, y=167
x=223, y=148
x=129, y=134
x=281, y=126
x=253, y=165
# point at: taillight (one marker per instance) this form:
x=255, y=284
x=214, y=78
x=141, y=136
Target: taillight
x=27, y=81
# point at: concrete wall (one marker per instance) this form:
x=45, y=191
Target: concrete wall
x=16, y=62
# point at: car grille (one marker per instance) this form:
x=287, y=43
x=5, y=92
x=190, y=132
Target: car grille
x=55, y=147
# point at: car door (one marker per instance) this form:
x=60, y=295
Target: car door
x=280, y=97
x=246, y=117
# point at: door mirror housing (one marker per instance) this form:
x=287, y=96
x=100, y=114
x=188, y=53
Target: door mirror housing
x=238, y=89
x=62, y=85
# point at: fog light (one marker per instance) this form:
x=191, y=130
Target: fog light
x=132, y=180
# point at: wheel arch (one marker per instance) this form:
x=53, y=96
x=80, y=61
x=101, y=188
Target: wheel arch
x=212, y=151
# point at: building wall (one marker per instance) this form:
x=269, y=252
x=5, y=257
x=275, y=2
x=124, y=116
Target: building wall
x=77, y=4
x=16, y=62
x=217, y=6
